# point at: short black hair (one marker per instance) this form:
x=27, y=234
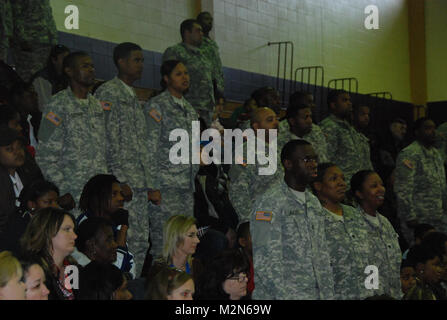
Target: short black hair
x=321, y=170
x=71, y=59
x=421, y=253
x=88, y=229
x=332, y=96
x=166, y=69
x=436, y=241
x=289, y=149
x=34, y=191
x=123, y=51
x=293, y=109
x=201, y=15
x=260, y=94
x=187, y=25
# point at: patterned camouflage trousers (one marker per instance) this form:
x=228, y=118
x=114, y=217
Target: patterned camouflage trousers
x=27, y=63
x=173, y=202
x=138, y=232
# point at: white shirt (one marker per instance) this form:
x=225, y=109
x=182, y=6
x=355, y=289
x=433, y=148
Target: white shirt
x=373, y=220
x=32, y=138
x=301, y=196
x=335, y=216
x=128, y=88
x=180, y=101
x=17, y=185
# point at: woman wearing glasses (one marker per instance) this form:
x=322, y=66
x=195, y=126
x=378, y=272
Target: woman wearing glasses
x=224, y=278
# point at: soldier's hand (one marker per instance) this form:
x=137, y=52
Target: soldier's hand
x=66, y=202
x=412, y=223
x=127, y=193
x=154, y=196
x=120, y=217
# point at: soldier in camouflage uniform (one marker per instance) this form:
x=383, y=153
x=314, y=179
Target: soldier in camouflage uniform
x=6, y=28
x=127, y=150
x=290, y=252
x=245, y=181
x=420, y=184
x=344, y=228
x=201, y=91
x=298, y=125
x=345, y=146
x=72, y=141
x=165, y=113
x=377, y=233
x=210, y=49
x=34, y=34
x=441, y=141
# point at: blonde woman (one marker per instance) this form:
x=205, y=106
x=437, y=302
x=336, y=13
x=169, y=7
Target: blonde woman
x=11, y=284
x=51, y=238
x=170, y=284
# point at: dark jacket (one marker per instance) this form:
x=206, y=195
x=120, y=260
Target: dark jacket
x=14, y=230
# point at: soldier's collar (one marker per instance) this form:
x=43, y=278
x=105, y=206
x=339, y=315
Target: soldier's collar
x=190, y=47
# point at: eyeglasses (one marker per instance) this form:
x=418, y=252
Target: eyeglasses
x=309, y=159
x=240, y=278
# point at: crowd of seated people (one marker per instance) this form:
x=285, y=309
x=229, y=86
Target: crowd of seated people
x=92, y=206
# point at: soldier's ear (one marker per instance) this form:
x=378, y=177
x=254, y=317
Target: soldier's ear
x=166, y=79
x=288, y=164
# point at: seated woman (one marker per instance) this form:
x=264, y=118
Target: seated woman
x=378, y=233
x=95, y=242
x=349, y=256
x=37, y=195
x=225, y=277
x=102, y=281
x=50, y=237
x=102, y=197
x=426, y=262
x=180, y=243
x=34, y=278
x=11, y=284
x=170, y=284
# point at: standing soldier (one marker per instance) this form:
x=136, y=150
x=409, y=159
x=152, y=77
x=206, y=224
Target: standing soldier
x=127, y=154
x=342, y=138
x=211, y=50
x=246, y=182
x=34, y=34
x=290, y=253
x=165, y=113
x=201, y=92
x=420, y=184
x=72, y=141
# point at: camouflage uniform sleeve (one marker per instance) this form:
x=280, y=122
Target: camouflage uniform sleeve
x=239, y=191
x=331, y=140
x=113, y=133
x=404, y=186
x=51, y=142
x=218, y=73
x=395, y=259
x=267, y=255
x=154, y=122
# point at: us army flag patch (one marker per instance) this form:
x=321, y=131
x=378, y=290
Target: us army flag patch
x=53, y=118
x=408, y=163
x=106, y=106
x=264, y=215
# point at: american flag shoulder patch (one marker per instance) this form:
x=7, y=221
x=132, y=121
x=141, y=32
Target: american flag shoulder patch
x=53, y=118
x=264, y=215
x=155, y=115
x=106, y=106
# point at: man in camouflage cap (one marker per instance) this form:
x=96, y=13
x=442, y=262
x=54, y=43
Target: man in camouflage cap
x=290, y=253
x=343, y=140
x=34, y=34
x=420, y=184
x=201, y=92
x=72, y=140
x=211, y=50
